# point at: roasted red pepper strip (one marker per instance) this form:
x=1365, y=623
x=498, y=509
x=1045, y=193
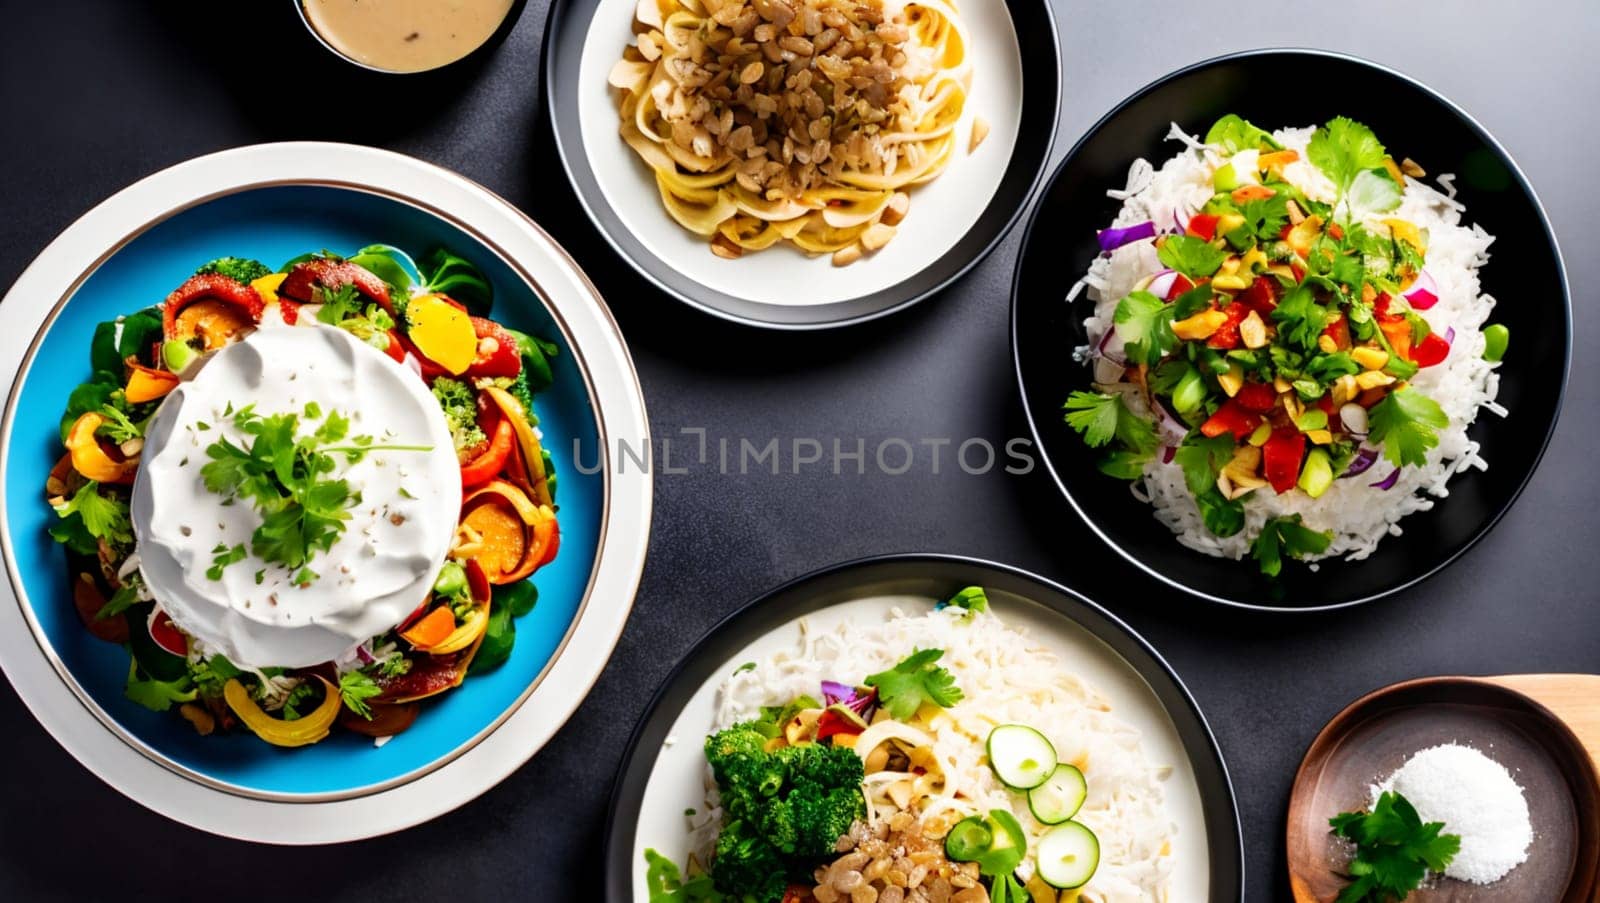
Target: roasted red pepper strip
x=209, y=285
x=1258, y=398
x=498, y=354
x=1339, y=331
x=1430, y=351
x=1233, y=418
x=1180, y=284
x=395, y=349
x=1202, y=225
x=1282, y=456
x=303, y=280
x=487, y=465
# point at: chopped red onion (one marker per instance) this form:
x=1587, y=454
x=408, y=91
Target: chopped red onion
x=1424, y=293
x=834, y=692
x=1388, y=482
x=1112, y=239
x=1110, y=351
x=1362, y=462
x=1450, y=336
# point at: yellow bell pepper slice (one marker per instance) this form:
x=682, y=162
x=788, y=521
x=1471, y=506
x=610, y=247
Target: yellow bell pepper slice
x=300, y=732
x=89, y=459
x=267, y=286
x=466, y=634
x=442, y=332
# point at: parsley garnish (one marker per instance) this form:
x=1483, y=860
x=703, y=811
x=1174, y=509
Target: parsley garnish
x=972, y=600
x=1100, y=418
x=222, y=556
x=98, y=516
x=1221, y=515
x=338, y=305
x=1202, y=460
x=118, y=428
x=1343, y=149
x=1300, y=318
x=1144, y=324
x=1282, y=536
x=157, y=695
x=1395, y=850
x=1406, y=422
x=355, y=688
x=916, y=680
x=289, y=479
x=1191, y=256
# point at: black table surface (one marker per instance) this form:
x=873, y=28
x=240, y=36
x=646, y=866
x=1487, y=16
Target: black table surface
x=97, y=94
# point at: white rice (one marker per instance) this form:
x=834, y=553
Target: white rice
x=1358, y=514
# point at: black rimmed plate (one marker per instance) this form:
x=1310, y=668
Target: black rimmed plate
x=1525, y=274
x=954, y=220
x=663, y=771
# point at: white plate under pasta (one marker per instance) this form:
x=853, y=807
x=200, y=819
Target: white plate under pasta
x=942, y=211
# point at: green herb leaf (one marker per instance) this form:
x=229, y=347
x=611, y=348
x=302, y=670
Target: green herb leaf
x=355, y=688
x=971, y=599
x=1286, y=536
x=1406, y=422
x=445, y=273
x=1144, y=324
x=1101, y=418
x=1234, y=134
x=1300, y=318
x=915, y=681
x=1222, y=516
x=1395, y=850
x=498, y=638
x=1344, y=148
x=157, y=695
x=1191, y=256
x=102, y=516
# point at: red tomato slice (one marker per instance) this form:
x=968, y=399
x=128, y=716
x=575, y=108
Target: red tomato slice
x=167, y=635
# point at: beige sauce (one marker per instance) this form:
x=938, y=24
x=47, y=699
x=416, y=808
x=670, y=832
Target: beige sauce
x=406, y=35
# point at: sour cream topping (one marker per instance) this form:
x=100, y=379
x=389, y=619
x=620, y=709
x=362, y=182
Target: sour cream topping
x=382, y=565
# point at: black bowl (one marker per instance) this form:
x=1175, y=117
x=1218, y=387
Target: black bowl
x=1526, y=275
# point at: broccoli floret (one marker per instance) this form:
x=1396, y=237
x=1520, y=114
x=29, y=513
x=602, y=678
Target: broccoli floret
x=522, y=392
x=829, y=766
x=746, y=865
x=744, y=770
x=460, y=406
x=820, y=816
x=242, y=269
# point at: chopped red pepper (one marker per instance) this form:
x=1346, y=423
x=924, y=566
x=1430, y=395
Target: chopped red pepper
x=1380, y=306
x=1261, y=296
x=1227, y=335
x=166, y=634
x=226, y=289
x=498, y=354
x=395, y=349
x=1282, y=456
x=1231, y=418
x=1257, y=398
x=1430, y=351
x=493, y=459
x=831, y=723
x=1336, y=232
x=1339, y=331
x=1180, y=284
x=289, y=311
x=1202, y=225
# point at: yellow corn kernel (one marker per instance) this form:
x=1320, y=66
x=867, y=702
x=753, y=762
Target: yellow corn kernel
x=1370, y=358
x=1253, y=261
x=1232, y=282
x=1232, y=381
x=1253, y=331
x=1373, y=379
x=1199, y=326
x=1327, y=344
x=1320, y=437
x=1261, y=435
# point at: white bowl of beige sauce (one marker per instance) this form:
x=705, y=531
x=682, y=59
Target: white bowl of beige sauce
x=405, y=35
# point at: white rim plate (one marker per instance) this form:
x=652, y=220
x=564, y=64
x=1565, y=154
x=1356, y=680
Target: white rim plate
x=619, y=559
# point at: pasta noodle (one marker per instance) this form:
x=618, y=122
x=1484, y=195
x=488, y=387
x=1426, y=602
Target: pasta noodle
x=799, y=121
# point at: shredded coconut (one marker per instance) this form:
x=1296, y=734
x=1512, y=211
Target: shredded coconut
x=1477, y=799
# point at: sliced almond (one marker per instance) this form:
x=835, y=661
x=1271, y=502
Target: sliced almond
x=725, y=248
x=896, y=210
x=847, y=255
x=980, y=131
x=1410, y=168
x=876, y=236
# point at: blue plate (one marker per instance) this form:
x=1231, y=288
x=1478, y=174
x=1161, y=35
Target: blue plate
x=274, y=224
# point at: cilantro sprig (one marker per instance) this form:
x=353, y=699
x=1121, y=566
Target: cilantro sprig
x=1286, y=536
x=1406, y=422
x=291, y=480
x=1395, y=850
x=916, y=680
x=1101, y=418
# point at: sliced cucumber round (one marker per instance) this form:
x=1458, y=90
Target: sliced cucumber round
x=1068, y=855
x=1060, y=796
x=1021, y=757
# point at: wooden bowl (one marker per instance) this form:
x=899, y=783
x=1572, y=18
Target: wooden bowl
x=1375, y=735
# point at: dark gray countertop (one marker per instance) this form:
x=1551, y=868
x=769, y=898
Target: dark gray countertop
x=97, y=94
